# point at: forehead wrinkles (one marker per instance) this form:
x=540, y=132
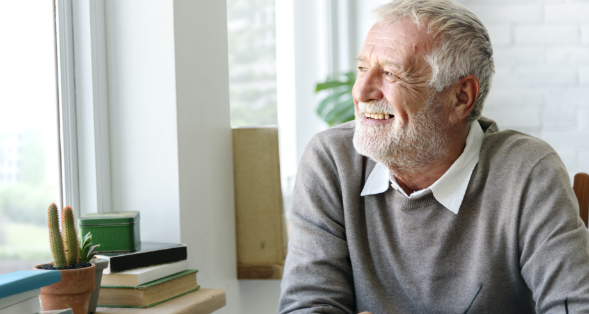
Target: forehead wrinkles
x=396, y=57
x=377, y=39
x=402, y=47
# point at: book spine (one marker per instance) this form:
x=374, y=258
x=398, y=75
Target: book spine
x=137, y=277
x=150, y=305
x=146, y=259
x=22, y=281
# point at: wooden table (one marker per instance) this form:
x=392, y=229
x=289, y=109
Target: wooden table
x=203, y=301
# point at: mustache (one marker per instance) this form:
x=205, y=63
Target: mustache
x=376, y=106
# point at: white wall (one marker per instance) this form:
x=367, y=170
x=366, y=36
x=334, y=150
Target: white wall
x=142, y=114
x=541, y=52
x=542, y=55
x=170, y=137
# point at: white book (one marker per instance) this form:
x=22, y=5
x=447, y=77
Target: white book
x=16, y=298
x=30, y=306
x=66, y=311
x=143, y=275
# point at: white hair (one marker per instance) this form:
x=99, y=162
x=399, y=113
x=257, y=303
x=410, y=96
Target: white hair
x=464, y=47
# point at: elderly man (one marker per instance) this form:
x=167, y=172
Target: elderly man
x=423, y=206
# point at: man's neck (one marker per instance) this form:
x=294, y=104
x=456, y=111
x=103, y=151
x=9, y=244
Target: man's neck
x=419, y=179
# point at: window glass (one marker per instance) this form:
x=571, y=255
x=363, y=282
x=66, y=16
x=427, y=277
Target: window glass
x=28, y=132
x=252, y=61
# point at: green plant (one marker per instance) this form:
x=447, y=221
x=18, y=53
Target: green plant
x=87, y=248
x=57, y=251
x=65, y=248
x=338, y=107
x=70, y=237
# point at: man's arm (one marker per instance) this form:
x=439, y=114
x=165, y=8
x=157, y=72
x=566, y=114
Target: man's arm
x=318, y=274
x=553, y=241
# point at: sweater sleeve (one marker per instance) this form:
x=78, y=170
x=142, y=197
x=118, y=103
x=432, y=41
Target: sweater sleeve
x=318, y=274
x=553, y=241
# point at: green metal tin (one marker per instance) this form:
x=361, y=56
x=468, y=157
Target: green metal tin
x=114, y=231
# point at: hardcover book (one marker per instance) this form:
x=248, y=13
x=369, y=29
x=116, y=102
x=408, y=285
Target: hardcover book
x=66, y=311
x=29, y=306
x=148, y=254
x=19, y=297
x=25, y=280
x=140, y=276
x=149, y=294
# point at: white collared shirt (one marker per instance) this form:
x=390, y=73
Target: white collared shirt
x=450, y=188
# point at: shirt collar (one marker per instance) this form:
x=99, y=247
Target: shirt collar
x=450, y=188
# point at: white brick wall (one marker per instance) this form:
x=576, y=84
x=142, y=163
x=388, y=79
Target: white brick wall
x=585, y=34
x=567, y=12
x=496, y=12
x=534, y=35
x=541, y=50
x=584, y=76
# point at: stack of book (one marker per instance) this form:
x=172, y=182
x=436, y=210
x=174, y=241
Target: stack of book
x=155, y=273
x=20, y=290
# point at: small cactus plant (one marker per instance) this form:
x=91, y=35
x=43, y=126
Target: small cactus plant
x=67, y=249
x=70, y=237
x=57, y=250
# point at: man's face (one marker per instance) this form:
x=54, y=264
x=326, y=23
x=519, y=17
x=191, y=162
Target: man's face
x=399, y=119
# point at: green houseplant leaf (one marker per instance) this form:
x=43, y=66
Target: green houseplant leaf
x=87, y=248
x=338, y=106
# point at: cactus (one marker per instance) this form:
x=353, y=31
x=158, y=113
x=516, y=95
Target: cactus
x=56, y=243
x=70, y=237
x=72, y=253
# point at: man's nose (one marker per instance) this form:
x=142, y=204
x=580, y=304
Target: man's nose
x=368, y=87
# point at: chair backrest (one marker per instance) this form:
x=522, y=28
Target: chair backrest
x=581, y=188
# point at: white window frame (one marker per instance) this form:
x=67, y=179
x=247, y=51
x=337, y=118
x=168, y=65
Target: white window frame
x=84, y=105
x=313, y=39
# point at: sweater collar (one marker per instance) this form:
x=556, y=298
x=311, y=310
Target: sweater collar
x=450, y=188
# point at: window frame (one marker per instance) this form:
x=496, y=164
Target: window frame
x=83, y=99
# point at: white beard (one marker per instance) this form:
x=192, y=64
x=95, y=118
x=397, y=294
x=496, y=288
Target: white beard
x=407, y=147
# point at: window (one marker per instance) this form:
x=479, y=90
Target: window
x=252, y=62
x=29, y=163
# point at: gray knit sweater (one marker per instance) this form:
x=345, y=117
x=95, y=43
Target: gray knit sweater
x=517, y=245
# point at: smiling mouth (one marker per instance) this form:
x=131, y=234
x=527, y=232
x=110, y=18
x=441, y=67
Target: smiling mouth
x=378, y=116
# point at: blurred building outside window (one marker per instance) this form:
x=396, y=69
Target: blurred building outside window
x=29, y=166
x=251, y=34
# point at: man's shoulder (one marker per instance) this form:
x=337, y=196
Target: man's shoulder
x=334, y=146
x=343, y=131
x=339, y=138
x=512, y=147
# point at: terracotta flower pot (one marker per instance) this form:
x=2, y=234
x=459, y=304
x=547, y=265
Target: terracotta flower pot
x=73, y=291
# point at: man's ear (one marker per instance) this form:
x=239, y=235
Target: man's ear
x=465, y=96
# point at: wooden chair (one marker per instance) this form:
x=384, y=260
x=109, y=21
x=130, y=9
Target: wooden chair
x=581, y=188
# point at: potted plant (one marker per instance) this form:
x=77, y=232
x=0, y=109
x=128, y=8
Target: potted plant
x=77, y=275
x=338, y=106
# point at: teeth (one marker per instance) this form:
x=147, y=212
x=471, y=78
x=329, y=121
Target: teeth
x=378, y=116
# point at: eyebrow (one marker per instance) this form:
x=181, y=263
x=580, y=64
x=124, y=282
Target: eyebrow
x=388, y=63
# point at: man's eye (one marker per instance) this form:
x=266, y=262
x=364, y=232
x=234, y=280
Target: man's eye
x=390, y=74
x=362, y=69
